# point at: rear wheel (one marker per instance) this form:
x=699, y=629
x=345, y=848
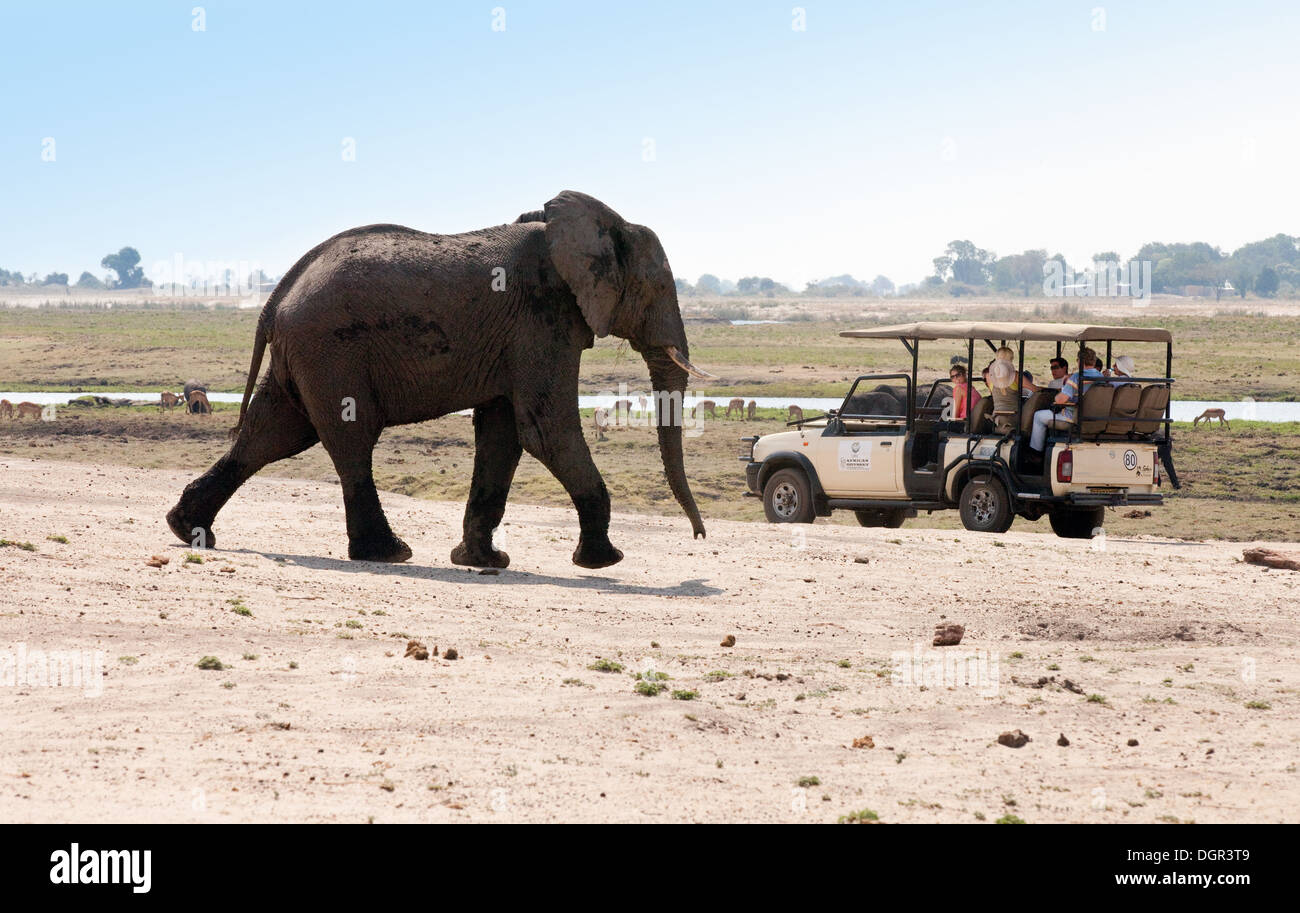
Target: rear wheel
x=787, y=497
x=986, y=506
x=890, y=519
x=1077, y=523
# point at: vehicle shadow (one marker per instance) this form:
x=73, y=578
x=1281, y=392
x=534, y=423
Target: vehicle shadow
x=694, y=587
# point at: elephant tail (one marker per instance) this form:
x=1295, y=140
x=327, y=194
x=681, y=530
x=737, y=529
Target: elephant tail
x=259, y=346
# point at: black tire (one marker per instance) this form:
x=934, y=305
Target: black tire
x=986, y=506
x=1077, y=523
x=889, y=519
x=787, y=497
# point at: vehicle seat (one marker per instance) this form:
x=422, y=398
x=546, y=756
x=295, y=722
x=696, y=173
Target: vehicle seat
x=979, y=415
x=1151, y=408
x=1039, y=400
x=1095, y=401
x=1123, y=409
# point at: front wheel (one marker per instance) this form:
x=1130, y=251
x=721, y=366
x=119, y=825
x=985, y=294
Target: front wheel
x=1077, y=524
x=889, y=519
x=986, y=506
x=787, y=498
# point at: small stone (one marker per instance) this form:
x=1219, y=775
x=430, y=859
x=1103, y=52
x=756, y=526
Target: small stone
x=1063, y=741
x=489, y=572
x=729, y=641
x=451, y=654
x=865, y=742
x=416, y=650
x=1014, y=739
x=227, y=570
x=1132, y=743
x=861, y=560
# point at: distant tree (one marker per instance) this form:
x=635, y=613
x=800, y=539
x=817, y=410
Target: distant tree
x=8, y=278
x=1108, y=256
x=1178, y=265
x=747, y=285
x=55, y=279
x=683, y=287
x=1023, y=272
x=1242, y=279
x=881, y=286
x=1266, y=283
x=942, y=267
x=708, y=284
x=124, y=263
x=88, y=280
x=967, y=263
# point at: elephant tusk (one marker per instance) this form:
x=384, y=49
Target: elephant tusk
x=687, y=366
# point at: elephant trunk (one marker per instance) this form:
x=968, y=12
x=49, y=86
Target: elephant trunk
x=669, y=383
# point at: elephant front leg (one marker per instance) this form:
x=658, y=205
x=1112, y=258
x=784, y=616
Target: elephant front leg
x=559, y=444
x=496, y=456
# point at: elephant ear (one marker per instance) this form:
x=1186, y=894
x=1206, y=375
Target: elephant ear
x=585, y=240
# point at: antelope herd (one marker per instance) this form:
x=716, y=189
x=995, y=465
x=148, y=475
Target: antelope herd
x=196, y=402
x=8, y=410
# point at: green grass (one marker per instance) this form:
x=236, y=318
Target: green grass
x=24, y=546
x=210, y=663
x=859, y=817
x=605, y=665
x=649, y=689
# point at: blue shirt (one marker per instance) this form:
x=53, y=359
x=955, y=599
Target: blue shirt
x=1071, y=389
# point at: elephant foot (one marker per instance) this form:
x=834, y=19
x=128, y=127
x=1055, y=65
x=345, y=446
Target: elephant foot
x=191, y=532
x=597, y=554
x=479, y=557
x=381, y=548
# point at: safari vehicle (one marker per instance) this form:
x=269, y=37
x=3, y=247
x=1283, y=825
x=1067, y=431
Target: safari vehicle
x=893, y=448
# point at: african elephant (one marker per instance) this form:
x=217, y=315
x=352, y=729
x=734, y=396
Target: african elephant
x=873, y=403
x=385, y=325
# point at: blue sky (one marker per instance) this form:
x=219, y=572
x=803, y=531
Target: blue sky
x=862, y=144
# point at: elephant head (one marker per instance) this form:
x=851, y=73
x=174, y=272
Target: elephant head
x=620, y=277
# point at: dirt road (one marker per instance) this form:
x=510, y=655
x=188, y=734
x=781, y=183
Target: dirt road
x=1169, y=667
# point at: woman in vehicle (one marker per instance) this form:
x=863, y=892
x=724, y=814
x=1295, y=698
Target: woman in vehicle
x=957, y=374
x=1006, y=393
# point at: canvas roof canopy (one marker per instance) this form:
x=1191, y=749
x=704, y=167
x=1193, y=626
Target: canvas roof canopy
x=1033, y=332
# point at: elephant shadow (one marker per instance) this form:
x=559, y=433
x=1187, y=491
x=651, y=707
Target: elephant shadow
x=692, y=587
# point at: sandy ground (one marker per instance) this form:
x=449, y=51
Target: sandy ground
x=1174, y=640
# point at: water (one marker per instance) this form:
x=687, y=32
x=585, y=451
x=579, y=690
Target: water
x=1183, y=410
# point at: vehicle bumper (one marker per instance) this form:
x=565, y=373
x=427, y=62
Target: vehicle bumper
x=751, y=477
x=1113, y=498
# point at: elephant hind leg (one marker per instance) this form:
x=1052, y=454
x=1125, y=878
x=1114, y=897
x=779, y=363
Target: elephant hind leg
x=275, y=428
x=496, y=456
x=351, y=445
